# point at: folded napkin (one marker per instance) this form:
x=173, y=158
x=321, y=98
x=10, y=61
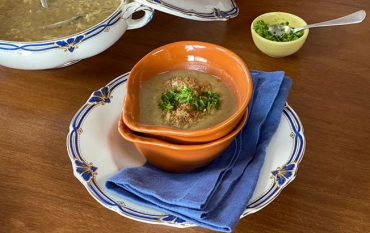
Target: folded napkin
x=216, y=195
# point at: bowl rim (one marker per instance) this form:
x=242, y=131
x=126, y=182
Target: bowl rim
x=306, y=31
x=184, y=133
x=131, y=136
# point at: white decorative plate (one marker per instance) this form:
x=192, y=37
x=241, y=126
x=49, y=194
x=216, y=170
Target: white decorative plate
x=97, y=151
x=202, y=10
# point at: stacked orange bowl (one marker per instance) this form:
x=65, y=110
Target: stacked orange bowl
x=175, y=149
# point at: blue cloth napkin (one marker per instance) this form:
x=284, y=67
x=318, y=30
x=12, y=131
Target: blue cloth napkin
x=216, y=195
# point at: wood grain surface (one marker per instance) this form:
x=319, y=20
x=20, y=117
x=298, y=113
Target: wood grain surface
x=330, y=93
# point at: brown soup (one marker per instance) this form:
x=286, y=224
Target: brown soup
x=24, y=20
x=152, y=91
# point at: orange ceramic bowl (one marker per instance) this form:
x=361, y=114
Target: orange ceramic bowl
x=188, y=55
x=175, y=158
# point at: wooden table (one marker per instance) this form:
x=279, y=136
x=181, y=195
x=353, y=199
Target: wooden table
x=330, y=93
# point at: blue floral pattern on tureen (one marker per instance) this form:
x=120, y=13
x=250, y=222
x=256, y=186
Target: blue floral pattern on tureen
x=70, y=44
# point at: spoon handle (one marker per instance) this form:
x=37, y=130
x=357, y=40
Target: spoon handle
x=356, y=17
x=44, y=3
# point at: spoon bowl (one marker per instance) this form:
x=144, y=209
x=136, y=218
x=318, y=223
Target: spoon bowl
x=357, y=17
x=67, y=21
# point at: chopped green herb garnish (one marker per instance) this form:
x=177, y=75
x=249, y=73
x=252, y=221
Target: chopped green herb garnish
x=262, y=29
x=184, y=95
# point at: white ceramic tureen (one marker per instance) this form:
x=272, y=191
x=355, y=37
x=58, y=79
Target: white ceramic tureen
x=64, y=51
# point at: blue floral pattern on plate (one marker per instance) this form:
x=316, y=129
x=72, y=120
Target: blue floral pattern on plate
x=101, y=96
x=87, y=171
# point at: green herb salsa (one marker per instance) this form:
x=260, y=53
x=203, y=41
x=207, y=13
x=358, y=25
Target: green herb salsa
x=262, y=29
x=204, y=101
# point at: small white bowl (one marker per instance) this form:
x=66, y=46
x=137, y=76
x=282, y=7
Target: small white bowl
x=67, y=50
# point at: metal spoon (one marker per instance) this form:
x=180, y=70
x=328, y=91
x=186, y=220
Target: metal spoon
x=356, y=17
x=44, y=3
x=76, y=18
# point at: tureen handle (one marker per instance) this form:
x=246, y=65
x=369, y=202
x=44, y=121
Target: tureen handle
x=131, y=8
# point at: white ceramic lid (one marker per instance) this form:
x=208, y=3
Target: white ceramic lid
x=202, y=10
